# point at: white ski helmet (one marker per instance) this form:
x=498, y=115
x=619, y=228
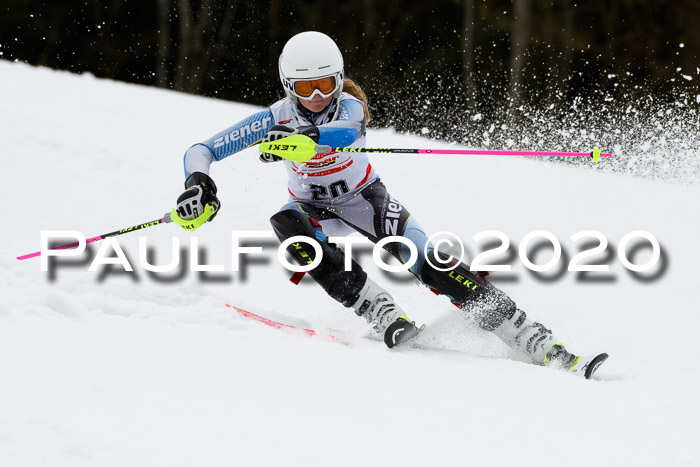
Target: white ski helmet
x=310, y=64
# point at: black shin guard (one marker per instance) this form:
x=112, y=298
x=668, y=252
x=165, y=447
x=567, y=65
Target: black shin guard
x=489, y=306
x=343, y=286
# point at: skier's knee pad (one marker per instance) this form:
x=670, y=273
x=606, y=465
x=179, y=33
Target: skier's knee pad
x=343, y=286
x=488, y=305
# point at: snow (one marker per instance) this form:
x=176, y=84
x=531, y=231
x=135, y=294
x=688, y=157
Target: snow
x=114, y=368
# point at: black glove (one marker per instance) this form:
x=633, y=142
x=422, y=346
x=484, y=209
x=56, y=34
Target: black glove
x=200, y=191
x=282, y=131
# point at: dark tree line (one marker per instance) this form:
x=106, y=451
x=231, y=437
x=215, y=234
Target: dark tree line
x=419, y=62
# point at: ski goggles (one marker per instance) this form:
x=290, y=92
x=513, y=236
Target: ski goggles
x=323, y=86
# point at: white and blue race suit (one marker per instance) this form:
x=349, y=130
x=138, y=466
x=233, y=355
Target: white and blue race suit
x=339, y=190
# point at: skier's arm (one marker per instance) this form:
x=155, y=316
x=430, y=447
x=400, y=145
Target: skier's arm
x=239, y=136
x=347, y=128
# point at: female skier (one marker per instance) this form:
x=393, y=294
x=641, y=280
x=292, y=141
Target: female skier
x=343, y=189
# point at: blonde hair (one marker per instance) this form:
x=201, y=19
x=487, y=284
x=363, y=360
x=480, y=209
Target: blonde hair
x=354, y=90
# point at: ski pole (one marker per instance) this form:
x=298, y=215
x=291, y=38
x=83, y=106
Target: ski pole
x=164, y=220
x=167, y=218
x=301, y=148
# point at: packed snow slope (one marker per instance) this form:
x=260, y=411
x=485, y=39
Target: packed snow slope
x=110, y=368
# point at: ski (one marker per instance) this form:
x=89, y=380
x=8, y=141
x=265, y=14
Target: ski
x=309, y=332
x=278, y=325
x=584, y=366
x=587, y=365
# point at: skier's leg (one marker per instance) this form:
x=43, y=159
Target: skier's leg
x=343, y=286
x=490, y=308
x=377, y=215
x=493, y=310
x=351, y=288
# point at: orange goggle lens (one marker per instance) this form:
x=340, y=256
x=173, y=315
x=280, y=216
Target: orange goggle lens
x=306, y=88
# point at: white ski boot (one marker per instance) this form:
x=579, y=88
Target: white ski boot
x=558, y=357
x=538, y=342
x=379, y=309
